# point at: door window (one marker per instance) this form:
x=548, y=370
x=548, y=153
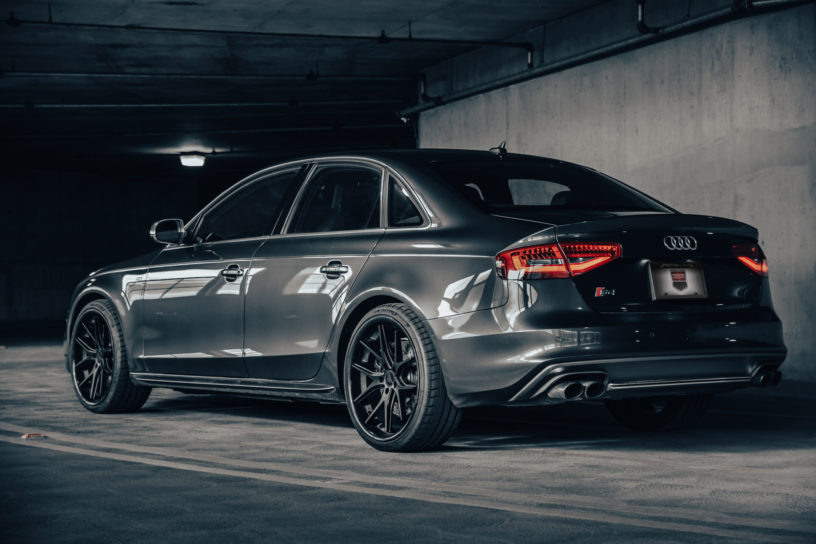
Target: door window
x=340, y=197
x=251, y=211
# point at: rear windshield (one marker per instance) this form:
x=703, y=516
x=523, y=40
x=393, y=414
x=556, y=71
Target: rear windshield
x=498, y=185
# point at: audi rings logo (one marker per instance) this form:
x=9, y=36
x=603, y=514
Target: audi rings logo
x=680, y=243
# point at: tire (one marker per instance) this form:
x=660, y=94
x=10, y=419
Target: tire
x=659, y=413
x=98, y=362
x=394, y=389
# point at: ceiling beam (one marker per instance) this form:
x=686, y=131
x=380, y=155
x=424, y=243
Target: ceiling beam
x=153, y=133
x=309, y=76
x=170, y=105
x=382, y=38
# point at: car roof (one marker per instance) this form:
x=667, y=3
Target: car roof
x=422, y=155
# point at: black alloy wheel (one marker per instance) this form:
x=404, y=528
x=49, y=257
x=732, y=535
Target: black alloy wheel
x=92, y=358
x=393, y=384
x=98, y=362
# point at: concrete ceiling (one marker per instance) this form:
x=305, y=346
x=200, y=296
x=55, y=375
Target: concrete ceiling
x=163, y=76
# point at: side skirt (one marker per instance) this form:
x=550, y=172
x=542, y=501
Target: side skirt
x=242, y=386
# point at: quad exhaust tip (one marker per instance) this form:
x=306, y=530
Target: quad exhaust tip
x=593, y=389
x=573, y=389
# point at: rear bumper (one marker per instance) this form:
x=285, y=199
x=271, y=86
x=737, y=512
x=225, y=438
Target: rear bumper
x=486, y=361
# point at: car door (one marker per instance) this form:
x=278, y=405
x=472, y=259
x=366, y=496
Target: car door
x=194, y=293
x=301, y=278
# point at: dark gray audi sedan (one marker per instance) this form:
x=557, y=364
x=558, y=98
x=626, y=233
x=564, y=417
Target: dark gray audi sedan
x=412, y=284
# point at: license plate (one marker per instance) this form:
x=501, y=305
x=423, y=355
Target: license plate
x=669, y=281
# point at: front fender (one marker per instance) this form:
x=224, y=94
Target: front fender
x=122, y=288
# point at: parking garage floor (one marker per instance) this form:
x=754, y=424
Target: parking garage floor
x=211, y=468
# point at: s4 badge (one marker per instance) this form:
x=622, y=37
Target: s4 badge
x=604, y=292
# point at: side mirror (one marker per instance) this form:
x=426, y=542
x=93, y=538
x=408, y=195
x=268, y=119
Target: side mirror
x=168, y=231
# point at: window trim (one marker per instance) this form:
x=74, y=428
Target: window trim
x=319, y=165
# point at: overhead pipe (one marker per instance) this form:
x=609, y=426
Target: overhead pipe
x=736, y=11
x=311, y=76
x=159, y=133
x=170, y=105
x=382, y=38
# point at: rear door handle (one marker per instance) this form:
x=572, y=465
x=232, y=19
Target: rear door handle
x=232, y=272
x=334, y=269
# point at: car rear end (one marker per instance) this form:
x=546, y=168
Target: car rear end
x=612, y=295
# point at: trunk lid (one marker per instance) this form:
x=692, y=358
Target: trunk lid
x=668, y=261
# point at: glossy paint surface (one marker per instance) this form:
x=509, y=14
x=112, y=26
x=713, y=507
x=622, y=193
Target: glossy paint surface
x=291, y=306
x=193, y=315
x=278, y=326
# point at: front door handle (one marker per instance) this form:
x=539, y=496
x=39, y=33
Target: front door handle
x=232, y=272
x=334, y=269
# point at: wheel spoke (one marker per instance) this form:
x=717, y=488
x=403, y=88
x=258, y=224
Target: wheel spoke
x=384, y=347
x=372, y=351
x=387, y=413
x=398, y=402
x=85, y=379
x=404, y=362
x=98, y=331
x=375, y=410
x=84, y=361
x=84, y=345
x=370, y=389
x=92, y=389
x=366, y=371
x=90, y=335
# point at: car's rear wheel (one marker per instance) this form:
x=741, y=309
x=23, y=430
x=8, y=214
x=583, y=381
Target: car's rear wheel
x=659, y=413
x=394, y=388
x=98, y=362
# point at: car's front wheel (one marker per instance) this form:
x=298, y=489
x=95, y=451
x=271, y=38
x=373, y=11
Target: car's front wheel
x=98, y=362
x=659, y=413
x=393, y=384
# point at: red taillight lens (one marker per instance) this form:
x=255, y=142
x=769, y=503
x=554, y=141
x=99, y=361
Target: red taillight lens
x=584, y=257
x=554, y=261
x=751, y=256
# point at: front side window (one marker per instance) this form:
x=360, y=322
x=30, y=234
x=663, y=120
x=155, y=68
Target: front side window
x=340, y=197
x=251, y=211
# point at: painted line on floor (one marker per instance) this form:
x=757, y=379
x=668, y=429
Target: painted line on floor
x=341, y=484
x=558, y=500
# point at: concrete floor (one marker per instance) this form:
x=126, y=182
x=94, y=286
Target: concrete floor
x=210, y=469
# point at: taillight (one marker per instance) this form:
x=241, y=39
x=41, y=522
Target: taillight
x=554, y=260
x=751, y=256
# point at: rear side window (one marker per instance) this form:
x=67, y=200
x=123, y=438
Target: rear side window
x=500, y=184
x=251, y=211
x=340, y=197
x=402, y=212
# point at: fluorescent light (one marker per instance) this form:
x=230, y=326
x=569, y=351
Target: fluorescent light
x=192, y=159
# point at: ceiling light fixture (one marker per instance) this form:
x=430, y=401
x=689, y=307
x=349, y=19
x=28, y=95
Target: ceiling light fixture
x=192, y=159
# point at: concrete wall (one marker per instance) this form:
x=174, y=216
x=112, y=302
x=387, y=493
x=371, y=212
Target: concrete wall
x=722, y=121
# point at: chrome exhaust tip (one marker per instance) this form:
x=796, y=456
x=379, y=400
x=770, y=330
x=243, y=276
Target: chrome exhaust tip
x=593, y=390
x=767, y=377
x=566, y=390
